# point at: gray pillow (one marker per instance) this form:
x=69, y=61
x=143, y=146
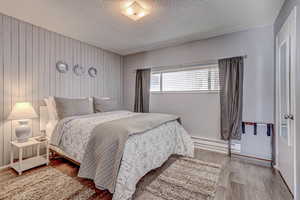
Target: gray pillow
x=105, y=105
x=67, y=107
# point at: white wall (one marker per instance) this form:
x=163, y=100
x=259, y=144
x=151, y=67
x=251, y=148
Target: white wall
x=200, y=112
x=28, y=55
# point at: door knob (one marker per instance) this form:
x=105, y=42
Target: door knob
x=286, y=116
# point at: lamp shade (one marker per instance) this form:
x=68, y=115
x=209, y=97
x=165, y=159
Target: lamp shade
x=22, y=110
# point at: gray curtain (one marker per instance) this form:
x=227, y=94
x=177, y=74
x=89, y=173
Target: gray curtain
x=142, y=90
x=231, y=72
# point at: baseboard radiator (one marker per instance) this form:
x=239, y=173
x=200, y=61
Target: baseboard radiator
x=242, y=149
x=215, y=145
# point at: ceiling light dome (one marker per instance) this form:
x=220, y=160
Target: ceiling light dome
x=135, y=11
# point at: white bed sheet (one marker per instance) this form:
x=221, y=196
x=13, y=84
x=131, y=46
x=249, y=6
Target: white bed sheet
x=142, y=153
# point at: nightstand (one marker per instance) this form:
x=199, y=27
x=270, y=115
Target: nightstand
x=38, y=160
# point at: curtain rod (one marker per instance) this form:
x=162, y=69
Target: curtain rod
x=199, y=63
x=258, y=123
x=244, y=56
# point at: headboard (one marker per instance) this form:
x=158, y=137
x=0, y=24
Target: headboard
x=44, y=118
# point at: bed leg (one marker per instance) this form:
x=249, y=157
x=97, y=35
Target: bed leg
x=52, y=154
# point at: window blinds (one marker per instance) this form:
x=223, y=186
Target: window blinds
x=195, y=79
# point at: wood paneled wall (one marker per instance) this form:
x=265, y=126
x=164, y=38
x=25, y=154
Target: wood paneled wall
x=28, y=55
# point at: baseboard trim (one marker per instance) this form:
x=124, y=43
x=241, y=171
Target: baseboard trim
x=285, y=183
x=213, y=145
x=254, y=160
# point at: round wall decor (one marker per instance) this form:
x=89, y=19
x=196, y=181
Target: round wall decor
x=78, y=70
x=62, y=67
x=92, y=72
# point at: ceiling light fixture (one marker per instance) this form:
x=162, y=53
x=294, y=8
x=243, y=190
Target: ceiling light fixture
x=135, y=11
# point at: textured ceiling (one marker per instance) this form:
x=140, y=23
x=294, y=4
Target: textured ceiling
x=100, y=22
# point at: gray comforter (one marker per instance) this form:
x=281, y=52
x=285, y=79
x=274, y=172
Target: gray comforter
x=102, y=158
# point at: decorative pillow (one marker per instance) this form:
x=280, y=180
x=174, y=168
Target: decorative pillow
x=67, y=107
x=105, y=104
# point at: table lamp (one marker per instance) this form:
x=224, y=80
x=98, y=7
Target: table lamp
x=22, y=111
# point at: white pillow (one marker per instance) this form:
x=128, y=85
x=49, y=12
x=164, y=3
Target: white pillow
x=50, y=103
x=52, y=115
x=50, y=127
x=91, y=99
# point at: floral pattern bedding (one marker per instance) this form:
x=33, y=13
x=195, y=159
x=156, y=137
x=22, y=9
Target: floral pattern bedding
x=142, y=153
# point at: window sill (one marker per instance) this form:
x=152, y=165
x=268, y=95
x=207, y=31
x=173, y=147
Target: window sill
x=188, y=92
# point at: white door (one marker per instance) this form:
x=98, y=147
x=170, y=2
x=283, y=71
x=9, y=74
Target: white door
x=285, y=104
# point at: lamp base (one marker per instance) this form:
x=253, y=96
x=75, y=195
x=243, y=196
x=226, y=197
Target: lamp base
x=23, y=131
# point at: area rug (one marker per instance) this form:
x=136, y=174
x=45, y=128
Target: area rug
x=42, y=184
x=185, y=179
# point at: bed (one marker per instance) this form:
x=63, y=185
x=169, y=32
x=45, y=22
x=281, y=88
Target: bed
x=143, y=152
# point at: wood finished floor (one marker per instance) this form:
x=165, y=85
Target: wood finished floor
x=239, y=180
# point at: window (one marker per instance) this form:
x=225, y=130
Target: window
x=155, y=82
x=187, y=80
